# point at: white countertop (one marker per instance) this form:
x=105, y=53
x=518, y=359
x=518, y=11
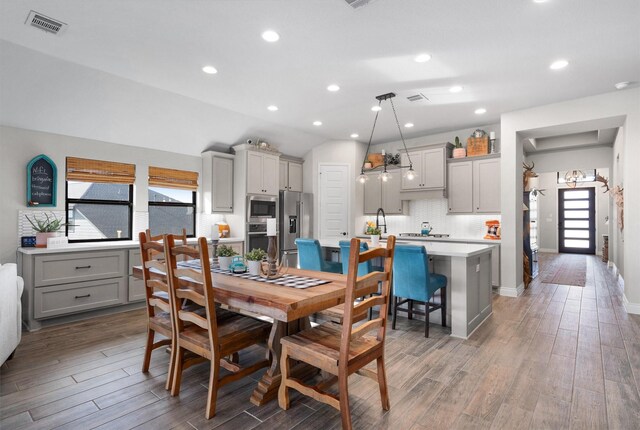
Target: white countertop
x=101, y=246
x=440, y=239
x=446, y=249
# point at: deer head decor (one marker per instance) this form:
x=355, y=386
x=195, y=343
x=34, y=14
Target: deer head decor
x=527, y=174
x=617, y=193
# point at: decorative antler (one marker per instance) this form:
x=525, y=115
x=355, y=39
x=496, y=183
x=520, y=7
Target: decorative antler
x=605, y=182
x=528, y=173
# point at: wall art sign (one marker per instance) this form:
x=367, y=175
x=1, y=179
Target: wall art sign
x=42, y=182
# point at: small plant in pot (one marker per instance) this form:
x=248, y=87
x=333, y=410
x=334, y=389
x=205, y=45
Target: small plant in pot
x=225, y=255
x=374, y=233
x=45, y=228
x=459, y=151
x=254, y=260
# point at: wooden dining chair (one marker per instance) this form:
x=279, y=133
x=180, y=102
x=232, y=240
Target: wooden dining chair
x=159, y=237
x=217, y=335
x=157, y=301
x=342, y=350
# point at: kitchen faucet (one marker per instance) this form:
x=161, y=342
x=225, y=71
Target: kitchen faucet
x=384, y=218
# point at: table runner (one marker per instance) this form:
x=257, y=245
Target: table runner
x=293, y=281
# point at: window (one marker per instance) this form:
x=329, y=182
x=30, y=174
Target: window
x=99, y=200
x=172, y=201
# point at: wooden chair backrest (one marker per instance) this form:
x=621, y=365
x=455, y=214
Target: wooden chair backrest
x=173, y=253
x=362, y=286
x=153, y=286
x=160, y=237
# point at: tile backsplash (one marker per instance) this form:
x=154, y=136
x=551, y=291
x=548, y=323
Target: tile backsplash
x=434, y=211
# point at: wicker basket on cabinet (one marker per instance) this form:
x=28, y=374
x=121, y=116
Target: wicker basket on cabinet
x=477, y=146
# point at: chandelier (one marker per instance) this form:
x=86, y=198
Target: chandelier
x=410, y=174
x=572, y=177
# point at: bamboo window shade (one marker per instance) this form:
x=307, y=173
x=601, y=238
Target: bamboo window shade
x=86, y=170
x=172, y=178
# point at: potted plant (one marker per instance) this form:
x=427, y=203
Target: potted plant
x=374, y=233
x=459, y=151
x=254, y=260
x=46, y=228
x=225, y=255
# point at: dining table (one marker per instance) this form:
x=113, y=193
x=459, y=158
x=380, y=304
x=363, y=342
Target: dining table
x=288, y=307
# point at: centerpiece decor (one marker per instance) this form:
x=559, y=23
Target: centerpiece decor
x=254, y=260
x=369, y=165
x=374, y=233
x=225, y=255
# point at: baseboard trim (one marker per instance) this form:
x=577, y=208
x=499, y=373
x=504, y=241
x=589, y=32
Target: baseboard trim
x=631, y=308
x=511, y=292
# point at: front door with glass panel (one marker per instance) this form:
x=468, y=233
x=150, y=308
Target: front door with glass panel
x=577, y=227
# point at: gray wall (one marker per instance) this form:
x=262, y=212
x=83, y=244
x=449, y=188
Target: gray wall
x=19, y=146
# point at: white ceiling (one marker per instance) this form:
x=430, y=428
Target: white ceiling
x=499, y=51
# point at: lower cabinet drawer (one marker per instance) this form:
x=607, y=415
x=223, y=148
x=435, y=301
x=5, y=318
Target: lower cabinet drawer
x=64, y=268
x=136, y=289
x=82, y=296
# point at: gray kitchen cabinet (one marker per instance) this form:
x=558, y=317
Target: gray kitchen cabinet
x=460, y=187
x=136, y=286
x=263, y=174
x=217, y=182
x=385, y=195
x=486, y=185
x=429, y=164
x=474, y=185
x=290, y=176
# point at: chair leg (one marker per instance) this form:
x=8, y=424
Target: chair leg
x=345, y=412
x=283, y=391
x=426, y=319
x=382, y=383
x=371, y=310
x=410, y=307
x=395, y=312
x=147, y=350
x=177, y=371
x=172, y=360
x=443, y=303
x=214, y=375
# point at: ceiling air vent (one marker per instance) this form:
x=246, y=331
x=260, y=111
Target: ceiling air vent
x=358, y=3
x=418, y=97
x=45, y=23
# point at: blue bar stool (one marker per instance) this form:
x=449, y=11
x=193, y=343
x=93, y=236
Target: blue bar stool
x=413, y=282
x=310, y=257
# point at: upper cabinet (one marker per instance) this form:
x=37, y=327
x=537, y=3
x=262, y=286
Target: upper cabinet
x=429, y=164
x=385, y=195
x=290, y=175
x=217, y=182
x=474, y=185
x=262, y=173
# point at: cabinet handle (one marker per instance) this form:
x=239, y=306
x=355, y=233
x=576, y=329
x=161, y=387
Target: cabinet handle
x=82, y=297
x=83, y=267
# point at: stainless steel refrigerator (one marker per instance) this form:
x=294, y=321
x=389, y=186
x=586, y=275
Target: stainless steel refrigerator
x=296, y=217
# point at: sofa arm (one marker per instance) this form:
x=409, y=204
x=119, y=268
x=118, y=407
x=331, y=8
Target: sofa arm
x=20, y=288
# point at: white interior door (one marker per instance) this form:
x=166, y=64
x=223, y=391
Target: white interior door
x=334, y=201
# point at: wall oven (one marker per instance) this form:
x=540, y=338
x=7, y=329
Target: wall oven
x=257, y=236
x=261, y=208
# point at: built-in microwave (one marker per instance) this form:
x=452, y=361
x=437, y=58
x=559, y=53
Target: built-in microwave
x=261, y=208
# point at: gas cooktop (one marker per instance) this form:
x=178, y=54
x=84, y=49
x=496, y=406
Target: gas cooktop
x=423, y=235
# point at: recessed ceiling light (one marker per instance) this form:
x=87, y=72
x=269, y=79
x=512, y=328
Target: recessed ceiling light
x=409, y=125
x=354, y=135
x=272, y=108
x=622, y=85
x=333, y=88
x=422, y=58
x=376, y=108
x=210, y=70
x=540, y=1
x=317, y=123
x=455, y=89
x=559, y=64
x=270, y=36
x=480, y=111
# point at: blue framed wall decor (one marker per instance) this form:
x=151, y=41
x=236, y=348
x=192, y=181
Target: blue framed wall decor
x=42, y=182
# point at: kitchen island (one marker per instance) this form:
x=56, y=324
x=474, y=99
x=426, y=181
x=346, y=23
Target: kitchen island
x=468, y=271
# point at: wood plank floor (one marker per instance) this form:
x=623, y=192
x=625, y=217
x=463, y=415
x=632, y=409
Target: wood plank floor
x=558, y=357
